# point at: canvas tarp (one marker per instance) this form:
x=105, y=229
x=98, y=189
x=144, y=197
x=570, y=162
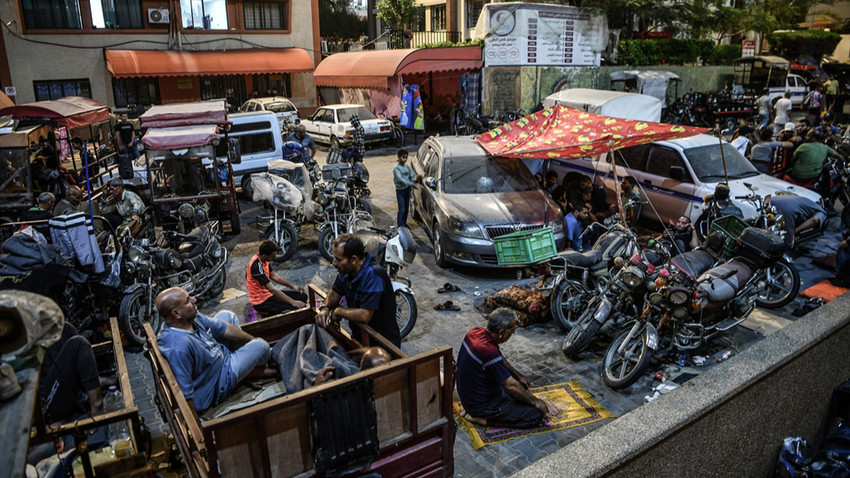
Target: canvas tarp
x=71, y=112
x=180, y=136
x=562, y=132
x=616, y=104
x=185, y=114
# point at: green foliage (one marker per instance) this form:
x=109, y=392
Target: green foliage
x=793, y=44
x=397, y=13
x=661, y=52
x=446, y=44
x=337, y=22
x=725, y=54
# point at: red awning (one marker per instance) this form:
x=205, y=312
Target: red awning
x=184, y=114
x=562, y=132
x=180, y=137
x=139, y=63
x=374, y=69
x=71, y=111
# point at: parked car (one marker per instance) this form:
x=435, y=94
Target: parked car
x=285, y=110
x=467, y=199
x=332, y=125
x=674, y=176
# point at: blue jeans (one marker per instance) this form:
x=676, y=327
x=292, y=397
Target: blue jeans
x=765, y=120
x=241, y=362
x=403, y=198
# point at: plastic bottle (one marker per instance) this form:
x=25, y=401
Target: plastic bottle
x=119, y=435
x=725, y=356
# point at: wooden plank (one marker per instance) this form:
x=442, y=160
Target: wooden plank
x=392, y=404
x=290, y=442
x=15, y=417
x=429, y=403
x=238, y=449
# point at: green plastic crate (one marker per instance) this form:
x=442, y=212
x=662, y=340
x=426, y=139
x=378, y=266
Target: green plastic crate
x=731, y=227
x=525, y=247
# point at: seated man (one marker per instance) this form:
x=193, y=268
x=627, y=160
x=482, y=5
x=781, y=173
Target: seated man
x=205, y=369
x=761, y=155
x=40, y=214
x=800, y=214
x=631, y=199
x=491, y=391
x=267, y=299
x=73, y=203
x=120, y=207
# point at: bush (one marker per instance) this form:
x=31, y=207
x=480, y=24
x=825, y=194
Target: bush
x=725, y=54
x=663, y=51
x=793, y=44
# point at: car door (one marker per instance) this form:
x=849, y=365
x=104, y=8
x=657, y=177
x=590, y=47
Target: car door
x=667, y=185
x=630, y=162
x=428, y=197
x=316, y=123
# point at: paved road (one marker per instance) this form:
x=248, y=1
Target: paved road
x=534, y=350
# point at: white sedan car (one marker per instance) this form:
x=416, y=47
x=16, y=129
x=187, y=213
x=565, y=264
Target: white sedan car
x=332, y=125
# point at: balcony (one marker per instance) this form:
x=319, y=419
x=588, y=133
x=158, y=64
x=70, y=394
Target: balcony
x=397, y=41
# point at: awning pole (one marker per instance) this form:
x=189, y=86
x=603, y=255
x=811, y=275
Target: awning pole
x=722, y=155
x=617, y=184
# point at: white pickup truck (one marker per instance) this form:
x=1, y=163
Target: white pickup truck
x=332, y=125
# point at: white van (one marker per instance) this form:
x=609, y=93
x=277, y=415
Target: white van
x=260, y=139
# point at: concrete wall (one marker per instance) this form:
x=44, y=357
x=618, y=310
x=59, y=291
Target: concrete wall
x=31, y=58
x=729, y=421
x=507, y=88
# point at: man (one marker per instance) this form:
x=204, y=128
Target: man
x=125, y=137
x=205, y=369
x=120, y=206
x=810, y=156
x=574, y=222
x=763, y=103
x=551, y=181
x=761, y=155
x=783, y=110
x=491, y=391
x=359, y=138
x=831, y=89
x=829, y=131
x=367, y=290
x=632, y=203
x=267, y=299
x=40, y=214
x=72, y=203
x=800, y=214
x=300, y=136
x=814, y=101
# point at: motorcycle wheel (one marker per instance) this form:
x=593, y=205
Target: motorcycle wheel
x=326, y=243
x=288, y=240
x=580, y=336
x=406, y=312
x=131, y=317
x=217, y=287
x=783, y=285
x=248, y=188
x=362, y=205
x=620, y=371
x=568, y=300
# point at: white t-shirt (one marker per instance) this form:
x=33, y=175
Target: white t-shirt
x=740, y=143
x=783, y=107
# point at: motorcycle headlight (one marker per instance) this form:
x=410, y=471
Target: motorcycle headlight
x=201, y=216
x=681, y=313
x=780, y=221
x=186, y=211
x=656, y=298
x=136, y=254
x=167, y=259
x=129, y=268
x=216, y=252
x=322, y=198
x=632, y=276
x=465, y=229
x=679, y=297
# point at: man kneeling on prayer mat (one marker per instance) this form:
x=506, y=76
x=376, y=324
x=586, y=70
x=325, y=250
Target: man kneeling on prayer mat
x=491, y=391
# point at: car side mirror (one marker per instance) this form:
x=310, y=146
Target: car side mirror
x=431, y=182
x=234, y=150
x=677, y=173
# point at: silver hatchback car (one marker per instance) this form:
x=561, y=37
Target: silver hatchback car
x=468, y=198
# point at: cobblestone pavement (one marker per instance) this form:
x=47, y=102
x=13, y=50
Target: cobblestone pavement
x=534, y=350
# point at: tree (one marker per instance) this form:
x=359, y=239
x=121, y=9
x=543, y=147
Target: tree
x=397, y=13
x=337, y=22
x=793, y=44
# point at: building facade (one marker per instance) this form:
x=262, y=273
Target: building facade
x=143, y=52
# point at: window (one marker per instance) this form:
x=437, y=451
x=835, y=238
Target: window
x=52, y=14
x=204, y=14
x=230, y=88
x=473, y=10
x=633, y=157
x=251, y=144
x=438, y=18
x=55, y=89
x=135, y=91
x=277, y=84
x=662, y=159
x=117, y=14
x=266, y=16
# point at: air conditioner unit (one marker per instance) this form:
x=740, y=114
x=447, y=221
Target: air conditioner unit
x=158, y=15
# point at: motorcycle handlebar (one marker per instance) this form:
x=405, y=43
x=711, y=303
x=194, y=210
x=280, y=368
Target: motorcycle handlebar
x=383, y=232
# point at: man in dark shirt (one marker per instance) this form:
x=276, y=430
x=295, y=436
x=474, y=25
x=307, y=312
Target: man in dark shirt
x=799, y=213
x=367, y=289
x=491, y=391
x=264, y=296
x=125, y=137
x=300, y=135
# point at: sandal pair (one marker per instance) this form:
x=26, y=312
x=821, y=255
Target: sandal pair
x=448, y=287
x=447, y=305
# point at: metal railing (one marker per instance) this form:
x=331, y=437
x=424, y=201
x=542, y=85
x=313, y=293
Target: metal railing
x=398, y=41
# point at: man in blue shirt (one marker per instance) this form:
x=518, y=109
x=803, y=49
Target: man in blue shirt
x=300, y=135
x=491, y=391
x=368, y=292
x=574, y=222
x=205, y=369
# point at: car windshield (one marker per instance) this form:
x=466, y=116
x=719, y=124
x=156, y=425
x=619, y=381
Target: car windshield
x=280, y=107
x=344, y=114
x=708, y=163
x=482, y=174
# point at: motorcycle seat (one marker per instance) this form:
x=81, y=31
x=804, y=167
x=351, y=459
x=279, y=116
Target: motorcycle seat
x=693, y=263
x=581, y=259
x=722, y=290
x=202, y=233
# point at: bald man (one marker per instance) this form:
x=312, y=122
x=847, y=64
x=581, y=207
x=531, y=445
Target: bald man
x=204, y=367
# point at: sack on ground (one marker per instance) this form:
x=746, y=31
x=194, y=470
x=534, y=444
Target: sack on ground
x=529, y=304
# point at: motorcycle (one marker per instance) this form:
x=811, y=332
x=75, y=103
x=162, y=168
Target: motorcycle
x=462, y=123
x=338, y=209
x=193, y=261
x=287, y=190
x=684, y=313
x=395, y=253
x=358, y=188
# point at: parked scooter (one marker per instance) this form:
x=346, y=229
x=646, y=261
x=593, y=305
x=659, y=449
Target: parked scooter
x=394, y=253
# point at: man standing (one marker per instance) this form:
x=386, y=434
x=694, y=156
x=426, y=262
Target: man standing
x=205, y=369
x=120, y=206
x=267, y=299
x=403, y=179
x=367, y=289
x=764, y=109
x=491, y=391
x=125, y=137
x=783, y=111
x=300, y=136
x=359, y=138
x=831, y=87
x=810, y=156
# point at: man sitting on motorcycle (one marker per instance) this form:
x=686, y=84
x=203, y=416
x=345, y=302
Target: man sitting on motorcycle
x=632, y=203
x=267, y=299
x=810, y=156
x=491, y=391
x=121, y=207
x=301, y=137
x=800, y=214
x=194, y=345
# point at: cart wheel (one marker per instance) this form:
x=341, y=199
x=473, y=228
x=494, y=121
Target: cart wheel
x=235, y=224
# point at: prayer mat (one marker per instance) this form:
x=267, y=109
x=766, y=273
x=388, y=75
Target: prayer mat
x=824, y=289
x=569, y=406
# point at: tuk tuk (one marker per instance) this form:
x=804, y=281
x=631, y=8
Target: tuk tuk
x=752, y=74
x=181, y=164
x=28, y=130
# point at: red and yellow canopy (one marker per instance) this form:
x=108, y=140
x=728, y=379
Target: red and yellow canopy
x=562, y=132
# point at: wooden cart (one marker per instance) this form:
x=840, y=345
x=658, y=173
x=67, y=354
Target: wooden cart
x=412, y=398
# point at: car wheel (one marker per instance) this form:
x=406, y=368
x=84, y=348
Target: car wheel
x=439, y=250
x=335, y=144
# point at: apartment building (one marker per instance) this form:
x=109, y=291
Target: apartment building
x=446, y=20
x=143, y=52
